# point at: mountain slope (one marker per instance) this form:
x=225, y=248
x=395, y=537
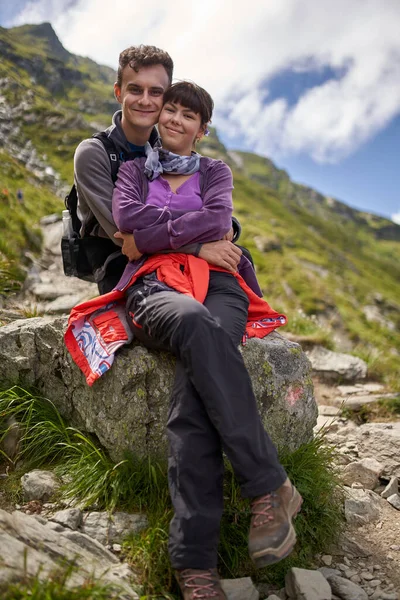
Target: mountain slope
x=334, y=270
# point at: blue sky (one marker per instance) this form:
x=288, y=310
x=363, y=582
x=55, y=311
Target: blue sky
x=314, y=85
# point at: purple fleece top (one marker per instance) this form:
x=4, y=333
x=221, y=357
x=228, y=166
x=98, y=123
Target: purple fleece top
x=160, y=221
x=186, y=198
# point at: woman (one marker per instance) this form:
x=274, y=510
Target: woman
x=172, y=198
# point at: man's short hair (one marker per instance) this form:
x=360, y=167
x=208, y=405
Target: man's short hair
x=144, y=56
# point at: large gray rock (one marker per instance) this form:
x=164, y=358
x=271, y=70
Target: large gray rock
x=335, y=366
x=29, y=547
x=127, y=408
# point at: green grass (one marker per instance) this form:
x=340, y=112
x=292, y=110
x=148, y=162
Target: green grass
x=137, y=484
x=58, y=587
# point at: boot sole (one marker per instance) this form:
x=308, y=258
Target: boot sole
x=269, y=556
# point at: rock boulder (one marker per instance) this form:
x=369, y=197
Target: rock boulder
x=127, y=407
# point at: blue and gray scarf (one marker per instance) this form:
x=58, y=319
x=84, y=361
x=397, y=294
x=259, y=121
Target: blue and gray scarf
x=160, y=161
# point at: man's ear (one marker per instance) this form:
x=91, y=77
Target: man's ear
x=117, y=92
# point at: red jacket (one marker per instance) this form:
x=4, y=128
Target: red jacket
x=97, y=328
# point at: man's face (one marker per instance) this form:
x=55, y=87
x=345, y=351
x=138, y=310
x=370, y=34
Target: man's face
x=141, y=95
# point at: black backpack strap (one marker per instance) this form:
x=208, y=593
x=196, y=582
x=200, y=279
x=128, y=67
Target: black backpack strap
x=111, y=151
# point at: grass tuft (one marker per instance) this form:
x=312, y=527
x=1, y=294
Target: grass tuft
x=57, y=586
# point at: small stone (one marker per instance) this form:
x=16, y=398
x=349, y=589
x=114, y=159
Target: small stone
x=395, y=547
x=391, y=488
x=116, y=547
x=273, y=597
x=326, y=559
x=367, y=576
x=341, y=566
x=394, y=500
x=346, y=561
x=365, y=471
x=357, y=485
x=377, y=595
x=328, y=411
x=304, y=583
x=393, y=596
x=377, y=567
x=355, y=579
x=39, y=485
x=349, y=573
x=347, y=590
x=361, y=565
x=237, y=589
x=327, y=572
x=375, y=583
x=69, y=517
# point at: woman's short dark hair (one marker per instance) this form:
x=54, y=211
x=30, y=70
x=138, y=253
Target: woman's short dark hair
x=191, y=96
x=144, y=56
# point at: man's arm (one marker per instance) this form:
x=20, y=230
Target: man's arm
x=92, y=172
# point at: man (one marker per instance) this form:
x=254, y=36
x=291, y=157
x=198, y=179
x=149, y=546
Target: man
x=144, y=73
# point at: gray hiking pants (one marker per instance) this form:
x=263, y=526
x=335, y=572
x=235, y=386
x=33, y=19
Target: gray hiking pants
x=212, y=410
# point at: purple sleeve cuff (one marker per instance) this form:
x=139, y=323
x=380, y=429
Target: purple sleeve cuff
x=246, y=271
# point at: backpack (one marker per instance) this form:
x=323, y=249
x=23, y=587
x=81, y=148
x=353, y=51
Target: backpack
x=87, y=257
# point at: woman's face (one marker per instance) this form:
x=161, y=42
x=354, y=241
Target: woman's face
x=179, y=127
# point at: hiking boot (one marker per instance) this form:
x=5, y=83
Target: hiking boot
x=196, y=584
x=272, y=535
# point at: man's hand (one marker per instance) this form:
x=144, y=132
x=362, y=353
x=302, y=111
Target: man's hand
x=129, y=247
x=221, y=254
x=229, y=236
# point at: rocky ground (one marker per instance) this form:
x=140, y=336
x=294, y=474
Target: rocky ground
x=366, y=564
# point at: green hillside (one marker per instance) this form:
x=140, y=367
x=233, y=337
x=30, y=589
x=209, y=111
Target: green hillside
x=334, y=270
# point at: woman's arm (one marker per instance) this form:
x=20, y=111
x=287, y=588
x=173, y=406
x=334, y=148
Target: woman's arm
x=208, y=224
x=128, y=205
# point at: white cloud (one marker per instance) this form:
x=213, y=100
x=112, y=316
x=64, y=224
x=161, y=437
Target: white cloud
x=232, y=49
x=396, y=218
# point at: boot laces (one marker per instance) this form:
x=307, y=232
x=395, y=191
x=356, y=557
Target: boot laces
x=201, y=590
x=262, y=509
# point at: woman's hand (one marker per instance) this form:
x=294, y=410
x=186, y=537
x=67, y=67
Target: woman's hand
x=129, y=247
